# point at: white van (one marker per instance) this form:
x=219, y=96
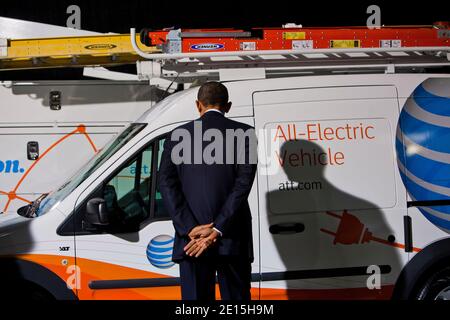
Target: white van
x=48, y=130
x=347, y=203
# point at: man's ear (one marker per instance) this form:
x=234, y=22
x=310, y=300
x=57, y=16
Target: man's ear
x=199, y=106
x=227, y=107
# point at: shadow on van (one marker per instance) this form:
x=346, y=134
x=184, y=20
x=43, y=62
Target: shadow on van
x=342, y=236
x=16, y=242
x=79, y=94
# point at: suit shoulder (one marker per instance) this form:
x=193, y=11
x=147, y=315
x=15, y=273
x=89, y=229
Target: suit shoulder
x=239, y=125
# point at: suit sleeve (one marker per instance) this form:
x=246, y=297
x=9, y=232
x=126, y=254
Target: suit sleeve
x=172, y=193
x=245, y=175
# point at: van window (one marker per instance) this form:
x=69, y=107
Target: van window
x=129, y=190
x=131, y=193
x=106, y=153
x=131, y=187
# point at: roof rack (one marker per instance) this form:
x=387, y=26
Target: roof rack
x=187, y=55
x=288, y=63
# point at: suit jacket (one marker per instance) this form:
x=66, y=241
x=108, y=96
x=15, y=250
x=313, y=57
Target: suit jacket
x=200, y=193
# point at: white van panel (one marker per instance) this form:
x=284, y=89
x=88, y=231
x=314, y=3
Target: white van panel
x=61, y=154
x=330, y=172
x=103, y=108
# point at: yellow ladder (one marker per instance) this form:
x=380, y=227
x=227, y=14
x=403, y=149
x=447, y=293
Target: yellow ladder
x=99, y=50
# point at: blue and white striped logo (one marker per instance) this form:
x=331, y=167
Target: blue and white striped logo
x=159, y=251
x=423, y=156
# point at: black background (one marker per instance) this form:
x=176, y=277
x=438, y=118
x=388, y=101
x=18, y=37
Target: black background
x=119, y=16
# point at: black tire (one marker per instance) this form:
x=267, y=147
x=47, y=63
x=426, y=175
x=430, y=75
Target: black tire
x=40, y=296
x=435, y=286
x=23, y=290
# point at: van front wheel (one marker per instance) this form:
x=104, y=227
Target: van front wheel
x=23, y=289
x=437, y=287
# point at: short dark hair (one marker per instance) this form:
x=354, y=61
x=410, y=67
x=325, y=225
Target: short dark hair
x=213, y=94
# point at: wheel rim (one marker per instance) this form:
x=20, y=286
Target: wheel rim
x=444, y=294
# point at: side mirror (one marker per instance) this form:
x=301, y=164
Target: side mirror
x=24, y=211
x=97, y=213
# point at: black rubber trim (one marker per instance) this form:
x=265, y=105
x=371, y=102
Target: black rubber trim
x=287, y=228
x=407, y=229
x=268, y=276
x=428, y=203
x=134, y=283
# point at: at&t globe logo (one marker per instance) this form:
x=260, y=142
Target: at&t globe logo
x=159, y=251
x=423, y=148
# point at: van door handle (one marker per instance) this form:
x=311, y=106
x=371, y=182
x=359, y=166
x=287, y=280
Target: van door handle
x=287, y=228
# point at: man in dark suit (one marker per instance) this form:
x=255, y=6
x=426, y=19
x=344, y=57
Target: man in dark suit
x=206, y=195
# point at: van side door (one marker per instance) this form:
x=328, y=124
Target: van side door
x=331, y=199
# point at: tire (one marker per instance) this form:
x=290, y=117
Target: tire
x=40, y=296
x=20, y=290
x=436, y=287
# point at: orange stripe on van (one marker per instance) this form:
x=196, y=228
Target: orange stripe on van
x=384, y=293
x=92, y=270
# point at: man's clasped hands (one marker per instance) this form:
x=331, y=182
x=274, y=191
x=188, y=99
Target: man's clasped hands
x=202, y=237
